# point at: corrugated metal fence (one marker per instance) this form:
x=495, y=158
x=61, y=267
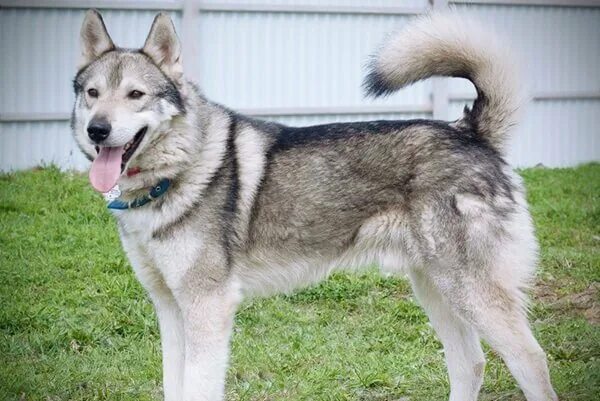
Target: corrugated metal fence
x=301, y=62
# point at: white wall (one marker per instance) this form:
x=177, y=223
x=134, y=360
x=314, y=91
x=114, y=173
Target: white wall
x=300, y=62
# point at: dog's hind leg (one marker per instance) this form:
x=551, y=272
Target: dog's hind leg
x=501, y=321
x=479, y=258
x=512, y=338
x=462, y=347
x=498, y=314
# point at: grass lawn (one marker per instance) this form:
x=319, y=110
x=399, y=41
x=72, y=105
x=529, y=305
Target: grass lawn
x=76, y=325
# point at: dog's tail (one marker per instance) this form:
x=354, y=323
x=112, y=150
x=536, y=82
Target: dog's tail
x=448, y=45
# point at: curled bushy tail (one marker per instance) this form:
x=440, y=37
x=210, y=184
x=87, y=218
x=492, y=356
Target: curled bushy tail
x=448, y=45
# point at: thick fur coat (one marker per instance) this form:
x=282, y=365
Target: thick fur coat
x=257, y=207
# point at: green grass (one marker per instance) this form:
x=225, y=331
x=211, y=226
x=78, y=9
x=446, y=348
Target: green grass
x=75, y=324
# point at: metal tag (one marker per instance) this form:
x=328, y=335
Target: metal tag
x=113, y=194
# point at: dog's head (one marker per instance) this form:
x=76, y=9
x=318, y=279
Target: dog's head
x=124, y=98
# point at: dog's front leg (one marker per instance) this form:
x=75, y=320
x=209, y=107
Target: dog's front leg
x=169, y=317
x=172, y=343
x=170, y=322
x=208, y=320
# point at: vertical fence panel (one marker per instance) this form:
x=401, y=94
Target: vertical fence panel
x=266, y=59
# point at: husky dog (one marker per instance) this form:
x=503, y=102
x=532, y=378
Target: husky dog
x=215, y=205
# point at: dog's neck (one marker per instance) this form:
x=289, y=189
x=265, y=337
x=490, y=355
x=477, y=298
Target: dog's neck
x=187, y=151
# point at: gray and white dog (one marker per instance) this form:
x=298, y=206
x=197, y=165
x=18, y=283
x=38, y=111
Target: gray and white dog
x=215, y=205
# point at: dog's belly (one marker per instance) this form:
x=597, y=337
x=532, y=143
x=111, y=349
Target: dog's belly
x=383, y=240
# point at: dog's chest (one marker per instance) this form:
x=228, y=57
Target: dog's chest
x=171, y=257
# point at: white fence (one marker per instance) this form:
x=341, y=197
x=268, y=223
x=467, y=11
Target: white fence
x=301, y=62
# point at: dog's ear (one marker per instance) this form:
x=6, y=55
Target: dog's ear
x=162, y=46
x=95, y=40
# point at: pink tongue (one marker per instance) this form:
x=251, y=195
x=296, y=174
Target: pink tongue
x=106, y=168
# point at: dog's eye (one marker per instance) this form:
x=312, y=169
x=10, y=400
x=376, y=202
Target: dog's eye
x=92, y=92
x=135, y=94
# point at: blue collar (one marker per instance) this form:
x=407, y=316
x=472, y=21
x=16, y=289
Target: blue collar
x=156, y=192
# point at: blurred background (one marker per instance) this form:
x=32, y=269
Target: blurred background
x=302, y=62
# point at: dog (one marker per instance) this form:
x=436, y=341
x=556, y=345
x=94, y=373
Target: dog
x=214, y=205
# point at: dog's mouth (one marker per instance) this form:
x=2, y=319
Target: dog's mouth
x=111, y=161
x=131, y=147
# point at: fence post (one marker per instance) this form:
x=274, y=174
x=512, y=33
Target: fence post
x=189, y=19
x=440, y=97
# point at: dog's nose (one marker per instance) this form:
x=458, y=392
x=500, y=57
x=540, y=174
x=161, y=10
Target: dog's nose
x=98, y=129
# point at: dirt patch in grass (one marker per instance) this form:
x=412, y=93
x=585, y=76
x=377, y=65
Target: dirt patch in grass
x=585, y=303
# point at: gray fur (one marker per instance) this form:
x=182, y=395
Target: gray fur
x=257, y=207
